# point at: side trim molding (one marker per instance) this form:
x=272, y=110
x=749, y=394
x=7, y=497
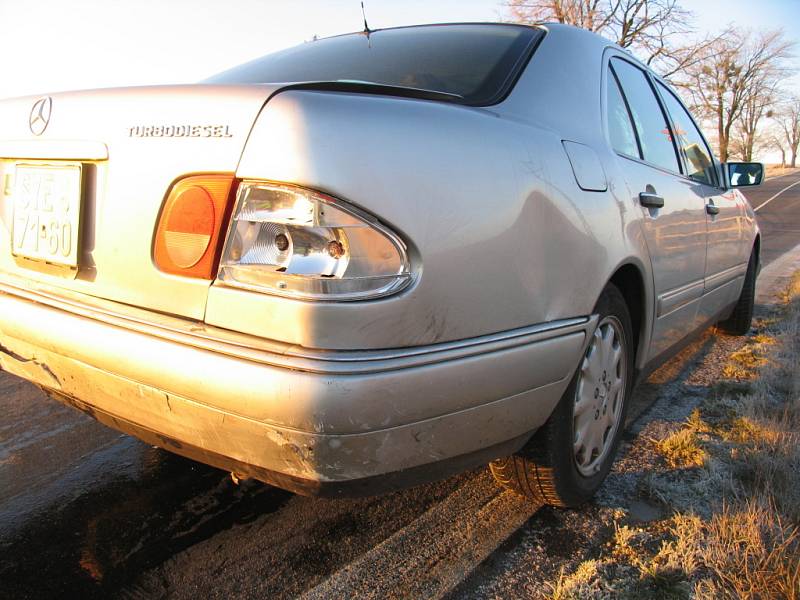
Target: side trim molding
x=270, y=352
x=719, y=279
x=674, y=299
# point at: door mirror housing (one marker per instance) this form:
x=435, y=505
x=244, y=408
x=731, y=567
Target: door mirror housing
x=742, y=174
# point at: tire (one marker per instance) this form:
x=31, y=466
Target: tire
x=742, y=316
x=548, y=470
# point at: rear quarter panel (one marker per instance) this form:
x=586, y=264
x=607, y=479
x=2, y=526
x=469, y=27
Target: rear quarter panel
x=500, y=235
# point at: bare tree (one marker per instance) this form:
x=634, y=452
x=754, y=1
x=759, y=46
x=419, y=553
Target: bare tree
x=757, y=104
x=788, y=118
x=656, y=31
x=628, y=22
x=748, y=144
x=731, y=77
x=594, y=15
x=774, y=140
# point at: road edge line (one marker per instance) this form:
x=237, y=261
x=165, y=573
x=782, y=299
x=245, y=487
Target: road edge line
x=788, y=187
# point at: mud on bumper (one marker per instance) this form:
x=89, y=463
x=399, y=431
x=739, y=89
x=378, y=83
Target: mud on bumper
x=310, y=421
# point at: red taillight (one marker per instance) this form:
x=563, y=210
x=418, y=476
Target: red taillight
x=188, y=236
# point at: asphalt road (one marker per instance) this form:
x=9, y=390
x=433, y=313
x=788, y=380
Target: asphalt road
x=87, y=512
x=779, y=218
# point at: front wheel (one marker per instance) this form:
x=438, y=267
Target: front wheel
x=569, y=456
x=742, y=316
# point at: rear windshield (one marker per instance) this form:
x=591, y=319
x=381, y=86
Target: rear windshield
x=476, y=62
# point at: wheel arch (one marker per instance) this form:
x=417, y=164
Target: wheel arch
x=629, y=279
x=757, y=248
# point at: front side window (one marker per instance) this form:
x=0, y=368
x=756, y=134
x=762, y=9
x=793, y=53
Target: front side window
x=700, y=165
x=620, y=128
x=655, y=136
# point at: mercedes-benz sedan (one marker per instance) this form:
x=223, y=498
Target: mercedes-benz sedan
x=372, y=260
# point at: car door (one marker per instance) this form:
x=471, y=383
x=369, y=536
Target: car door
x=673, y=213
x=725, y=263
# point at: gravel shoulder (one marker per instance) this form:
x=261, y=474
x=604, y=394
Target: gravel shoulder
x=463, y=538
x=649, y=531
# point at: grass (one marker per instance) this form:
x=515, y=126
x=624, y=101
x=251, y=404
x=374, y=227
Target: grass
x=682, y=449
x=747, y=362
x=581, y=583
x=732, y=482
x=751, y=552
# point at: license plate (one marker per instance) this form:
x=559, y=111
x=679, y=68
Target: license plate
x=47, y=206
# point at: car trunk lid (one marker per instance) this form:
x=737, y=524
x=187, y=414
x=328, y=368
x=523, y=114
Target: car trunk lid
x=123, y=148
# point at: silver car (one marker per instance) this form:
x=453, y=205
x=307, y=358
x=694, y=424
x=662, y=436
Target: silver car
x=375, y=259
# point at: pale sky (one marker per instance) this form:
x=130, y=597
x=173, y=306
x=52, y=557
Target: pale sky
x=52, y=45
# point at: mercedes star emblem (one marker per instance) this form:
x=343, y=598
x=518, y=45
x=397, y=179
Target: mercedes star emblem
x=40, y=115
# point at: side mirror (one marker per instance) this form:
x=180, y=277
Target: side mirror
x=741, y=174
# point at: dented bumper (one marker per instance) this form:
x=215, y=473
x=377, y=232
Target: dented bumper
x=312, y=421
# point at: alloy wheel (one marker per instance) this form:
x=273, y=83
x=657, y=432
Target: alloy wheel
x=599, y=396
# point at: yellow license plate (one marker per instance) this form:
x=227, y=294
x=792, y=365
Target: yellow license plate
x=47, y=213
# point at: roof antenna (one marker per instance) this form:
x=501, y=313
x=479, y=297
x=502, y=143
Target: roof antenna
x=367, y=30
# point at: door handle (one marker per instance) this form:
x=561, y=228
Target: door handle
x=712, y=210
x=650, y=200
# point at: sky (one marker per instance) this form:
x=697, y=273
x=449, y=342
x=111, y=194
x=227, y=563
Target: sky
x=55, y=45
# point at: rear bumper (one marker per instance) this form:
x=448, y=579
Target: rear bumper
x=312, y=421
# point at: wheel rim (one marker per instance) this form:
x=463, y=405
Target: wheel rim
x=599, y=396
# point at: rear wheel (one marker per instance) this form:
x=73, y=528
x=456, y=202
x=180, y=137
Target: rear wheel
x=742, y=317
x=569, y=457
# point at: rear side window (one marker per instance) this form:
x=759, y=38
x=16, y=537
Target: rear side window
x=620, y=128
x=654, y=133
x=697, y=156
x=477, y=62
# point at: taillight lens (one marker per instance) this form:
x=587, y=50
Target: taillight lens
x=295, y=242
x=188, y=233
